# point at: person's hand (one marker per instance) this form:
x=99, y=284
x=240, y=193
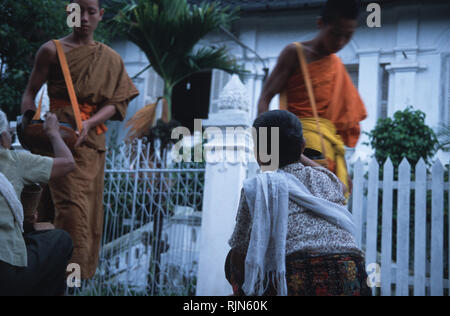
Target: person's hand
x=350, y=184
x=51, y=125
x=84, y=133
x=308, y=162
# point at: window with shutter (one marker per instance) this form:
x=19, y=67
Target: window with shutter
x=219, y=80
x=353, y=71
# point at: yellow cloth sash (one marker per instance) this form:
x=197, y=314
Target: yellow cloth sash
x=334, y=145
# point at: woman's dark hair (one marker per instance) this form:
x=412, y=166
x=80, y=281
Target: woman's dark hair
x=335, y=9
x=290, y=131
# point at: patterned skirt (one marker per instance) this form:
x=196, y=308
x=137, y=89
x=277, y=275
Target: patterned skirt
x=328, y=275
x=322, y=275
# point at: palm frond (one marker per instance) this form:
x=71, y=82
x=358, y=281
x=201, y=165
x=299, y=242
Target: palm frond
x=168, y=30
x=208, y=58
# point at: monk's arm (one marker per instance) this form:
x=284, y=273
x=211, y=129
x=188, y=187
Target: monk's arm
x=278, y=78
x=105, y=113
x=39, y=76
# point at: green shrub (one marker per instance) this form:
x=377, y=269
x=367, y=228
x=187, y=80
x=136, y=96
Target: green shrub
x=406, y=135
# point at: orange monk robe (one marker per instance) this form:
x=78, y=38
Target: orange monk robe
x=339, y=107
x=99, y=78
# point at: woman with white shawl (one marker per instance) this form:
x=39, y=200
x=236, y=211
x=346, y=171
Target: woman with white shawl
x=35, y=262
x=293, y=236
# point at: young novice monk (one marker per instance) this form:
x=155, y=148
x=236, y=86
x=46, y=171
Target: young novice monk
x=339, y=106
x=103, y=89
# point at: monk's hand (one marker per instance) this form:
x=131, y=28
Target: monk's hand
x=51, y=125
x=82, y=136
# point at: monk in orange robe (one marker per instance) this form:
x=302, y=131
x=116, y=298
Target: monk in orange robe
x=103, y=90
x=339, y=106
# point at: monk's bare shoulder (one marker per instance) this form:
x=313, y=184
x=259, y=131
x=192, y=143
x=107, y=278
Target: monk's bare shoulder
x=289, y=58
x=47, y=53
x=289, y=52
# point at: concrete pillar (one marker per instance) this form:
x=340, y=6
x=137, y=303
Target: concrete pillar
x=223, y=182
x=369, y=87
x=403, y=71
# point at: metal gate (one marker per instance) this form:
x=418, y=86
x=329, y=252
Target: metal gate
x=150, y=242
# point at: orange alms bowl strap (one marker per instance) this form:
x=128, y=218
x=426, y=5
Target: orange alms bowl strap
x=69, y=84
x=37, y=115
x=312, y=99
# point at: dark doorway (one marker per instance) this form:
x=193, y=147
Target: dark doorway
x=190, y=99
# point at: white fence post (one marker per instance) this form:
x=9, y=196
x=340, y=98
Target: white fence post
x=421, y=274
x=223, y=183
x=420, y=229
x=358, y=198
x=403, y=210
x=372, y=214
x=386, y=241
x=437, y=231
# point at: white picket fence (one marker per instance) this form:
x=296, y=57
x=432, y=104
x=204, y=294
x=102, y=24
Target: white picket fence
x=422, y=244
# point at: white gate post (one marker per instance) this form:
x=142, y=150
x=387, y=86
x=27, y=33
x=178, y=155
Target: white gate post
x=223, y=183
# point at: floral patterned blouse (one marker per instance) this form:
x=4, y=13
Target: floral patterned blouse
x=307, y=232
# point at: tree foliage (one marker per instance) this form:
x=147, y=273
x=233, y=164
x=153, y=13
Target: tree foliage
x=406, y=135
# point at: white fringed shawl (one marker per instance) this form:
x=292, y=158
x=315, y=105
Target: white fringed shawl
x=8, y=192
x=265, y=261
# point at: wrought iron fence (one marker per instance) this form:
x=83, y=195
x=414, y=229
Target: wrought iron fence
x=153, y=206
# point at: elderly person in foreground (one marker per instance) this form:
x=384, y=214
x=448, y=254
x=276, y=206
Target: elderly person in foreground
x=31, y=263
x=293, y=236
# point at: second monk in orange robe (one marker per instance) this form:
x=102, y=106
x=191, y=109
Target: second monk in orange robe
x=340, y=108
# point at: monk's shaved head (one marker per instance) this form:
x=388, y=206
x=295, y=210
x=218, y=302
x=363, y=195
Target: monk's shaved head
x=98, y=1
x=340, y=9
